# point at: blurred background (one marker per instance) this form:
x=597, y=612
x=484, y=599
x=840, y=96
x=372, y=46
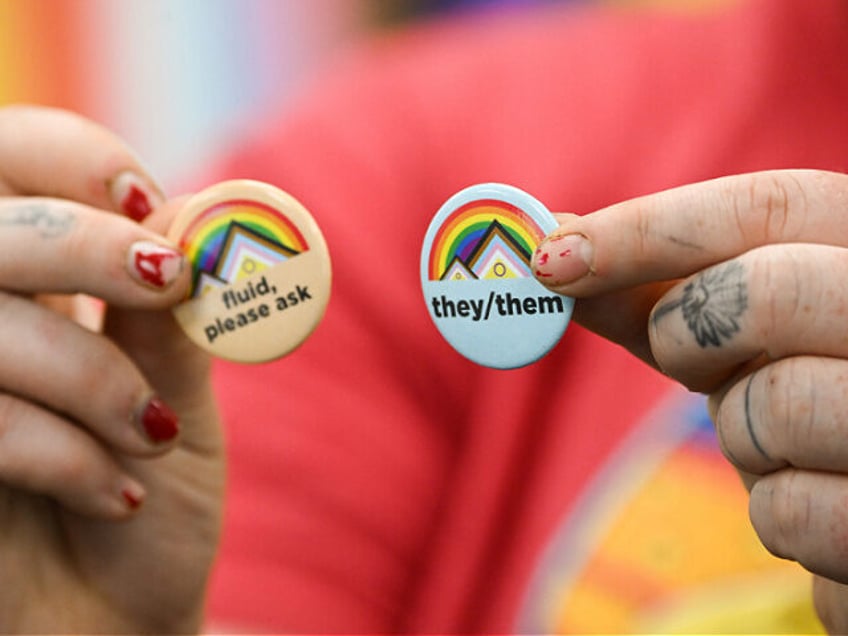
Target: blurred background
x=177, y=78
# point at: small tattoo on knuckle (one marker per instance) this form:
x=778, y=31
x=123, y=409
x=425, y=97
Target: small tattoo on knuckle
x=47, y=222
x=749, y=421
x=713, y=302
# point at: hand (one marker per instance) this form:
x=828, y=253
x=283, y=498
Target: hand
x=108, y=518
x=737, y=288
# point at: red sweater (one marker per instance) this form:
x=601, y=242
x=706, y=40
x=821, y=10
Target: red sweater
x=379, y=481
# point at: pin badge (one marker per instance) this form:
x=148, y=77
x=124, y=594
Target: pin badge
x=477, y=281
x=260, y=271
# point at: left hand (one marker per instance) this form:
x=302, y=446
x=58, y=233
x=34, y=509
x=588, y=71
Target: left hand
x=737, y=288
x=83, y=444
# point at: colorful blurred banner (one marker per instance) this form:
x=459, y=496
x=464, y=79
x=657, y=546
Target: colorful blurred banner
x=40, y=54
x=396, y=11
x=177, y=78
x=173, y=77
x=671, y=5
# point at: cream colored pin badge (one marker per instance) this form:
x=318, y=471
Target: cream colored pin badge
x=260, y=271
x=478, y=283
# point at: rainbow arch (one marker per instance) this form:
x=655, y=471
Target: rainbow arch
x=462, y=230
x=205, y=236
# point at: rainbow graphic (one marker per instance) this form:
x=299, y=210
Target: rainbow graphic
x=484, y=239
x=235, y=239
x=640, y=553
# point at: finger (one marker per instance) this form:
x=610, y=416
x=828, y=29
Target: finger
x=631, y=308
x=775, y=301
x=681, y=231
x=594, y=313
x=57, y=363
x=178, y=369
x=163, y=216
x=57, y=246
x=44, y=454
x=803, y=516
x=606, y=258
x=51, y=152
x=565, y=217
x=788, y=413
x=831, y=603
x=84, y=310
x=154, y=334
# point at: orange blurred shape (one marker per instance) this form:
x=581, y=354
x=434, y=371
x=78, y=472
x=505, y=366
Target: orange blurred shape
x=41, y=52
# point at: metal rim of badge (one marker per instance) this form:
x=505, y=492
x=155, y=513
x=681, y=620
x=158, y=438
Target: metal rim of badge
x=477, y=281
x=261, y=272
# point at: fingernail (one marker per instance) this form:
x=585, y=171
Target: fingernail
x=133, y=495
x=133, y=196
x=159, y=421
x=563, y=259
x=154, y=265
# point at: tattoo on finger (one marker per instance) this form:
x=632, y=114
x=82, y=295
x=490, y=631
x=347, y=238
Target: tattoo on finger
x=48, y=222
x=749, y=421
x=711, y=304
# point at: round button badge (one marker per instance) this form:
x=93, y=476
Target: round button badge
x=477, y=281
x=260, y=271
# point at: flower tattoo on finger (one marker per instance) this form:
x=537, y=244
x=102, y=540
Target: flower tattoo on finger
x=712, y=304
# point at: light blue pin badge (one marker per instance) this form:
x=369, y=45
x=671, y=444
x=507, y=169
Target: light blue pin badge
x=478, y=283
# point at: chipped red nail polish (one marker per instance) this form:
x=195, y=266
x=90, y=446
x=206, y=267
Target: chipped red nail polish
x=150, y=266
x=563, y=259
x=159, y=421
x=153, y=264
x=136, y=205
x=132, y=500
x=133, y=196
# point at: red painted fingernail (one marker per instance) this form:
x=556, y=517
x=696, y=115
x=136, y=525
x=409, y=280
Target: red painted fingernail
x=136, y=205
x=560, y=260
x=133, y=196
x=154, y=265
x=132, y=494
x=159, y=421
x=133, y=501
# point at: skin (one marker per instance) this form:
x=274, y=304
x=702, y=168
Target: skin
x=685, y=279
x=733, y=288
x=70, y=397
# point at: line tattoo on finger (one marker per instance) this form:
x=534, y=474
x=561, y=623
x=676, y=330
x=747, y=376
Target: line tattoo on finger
x=48, y=222
x=663, y=310
x=749, y=421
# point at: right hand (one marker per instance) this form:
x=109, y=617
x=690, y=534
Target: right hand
x=108, y=520
x=735, y=287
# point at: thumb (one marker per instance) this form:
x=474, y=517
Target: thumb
x=617, y=314
x=619, y=261
x=678, y=232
